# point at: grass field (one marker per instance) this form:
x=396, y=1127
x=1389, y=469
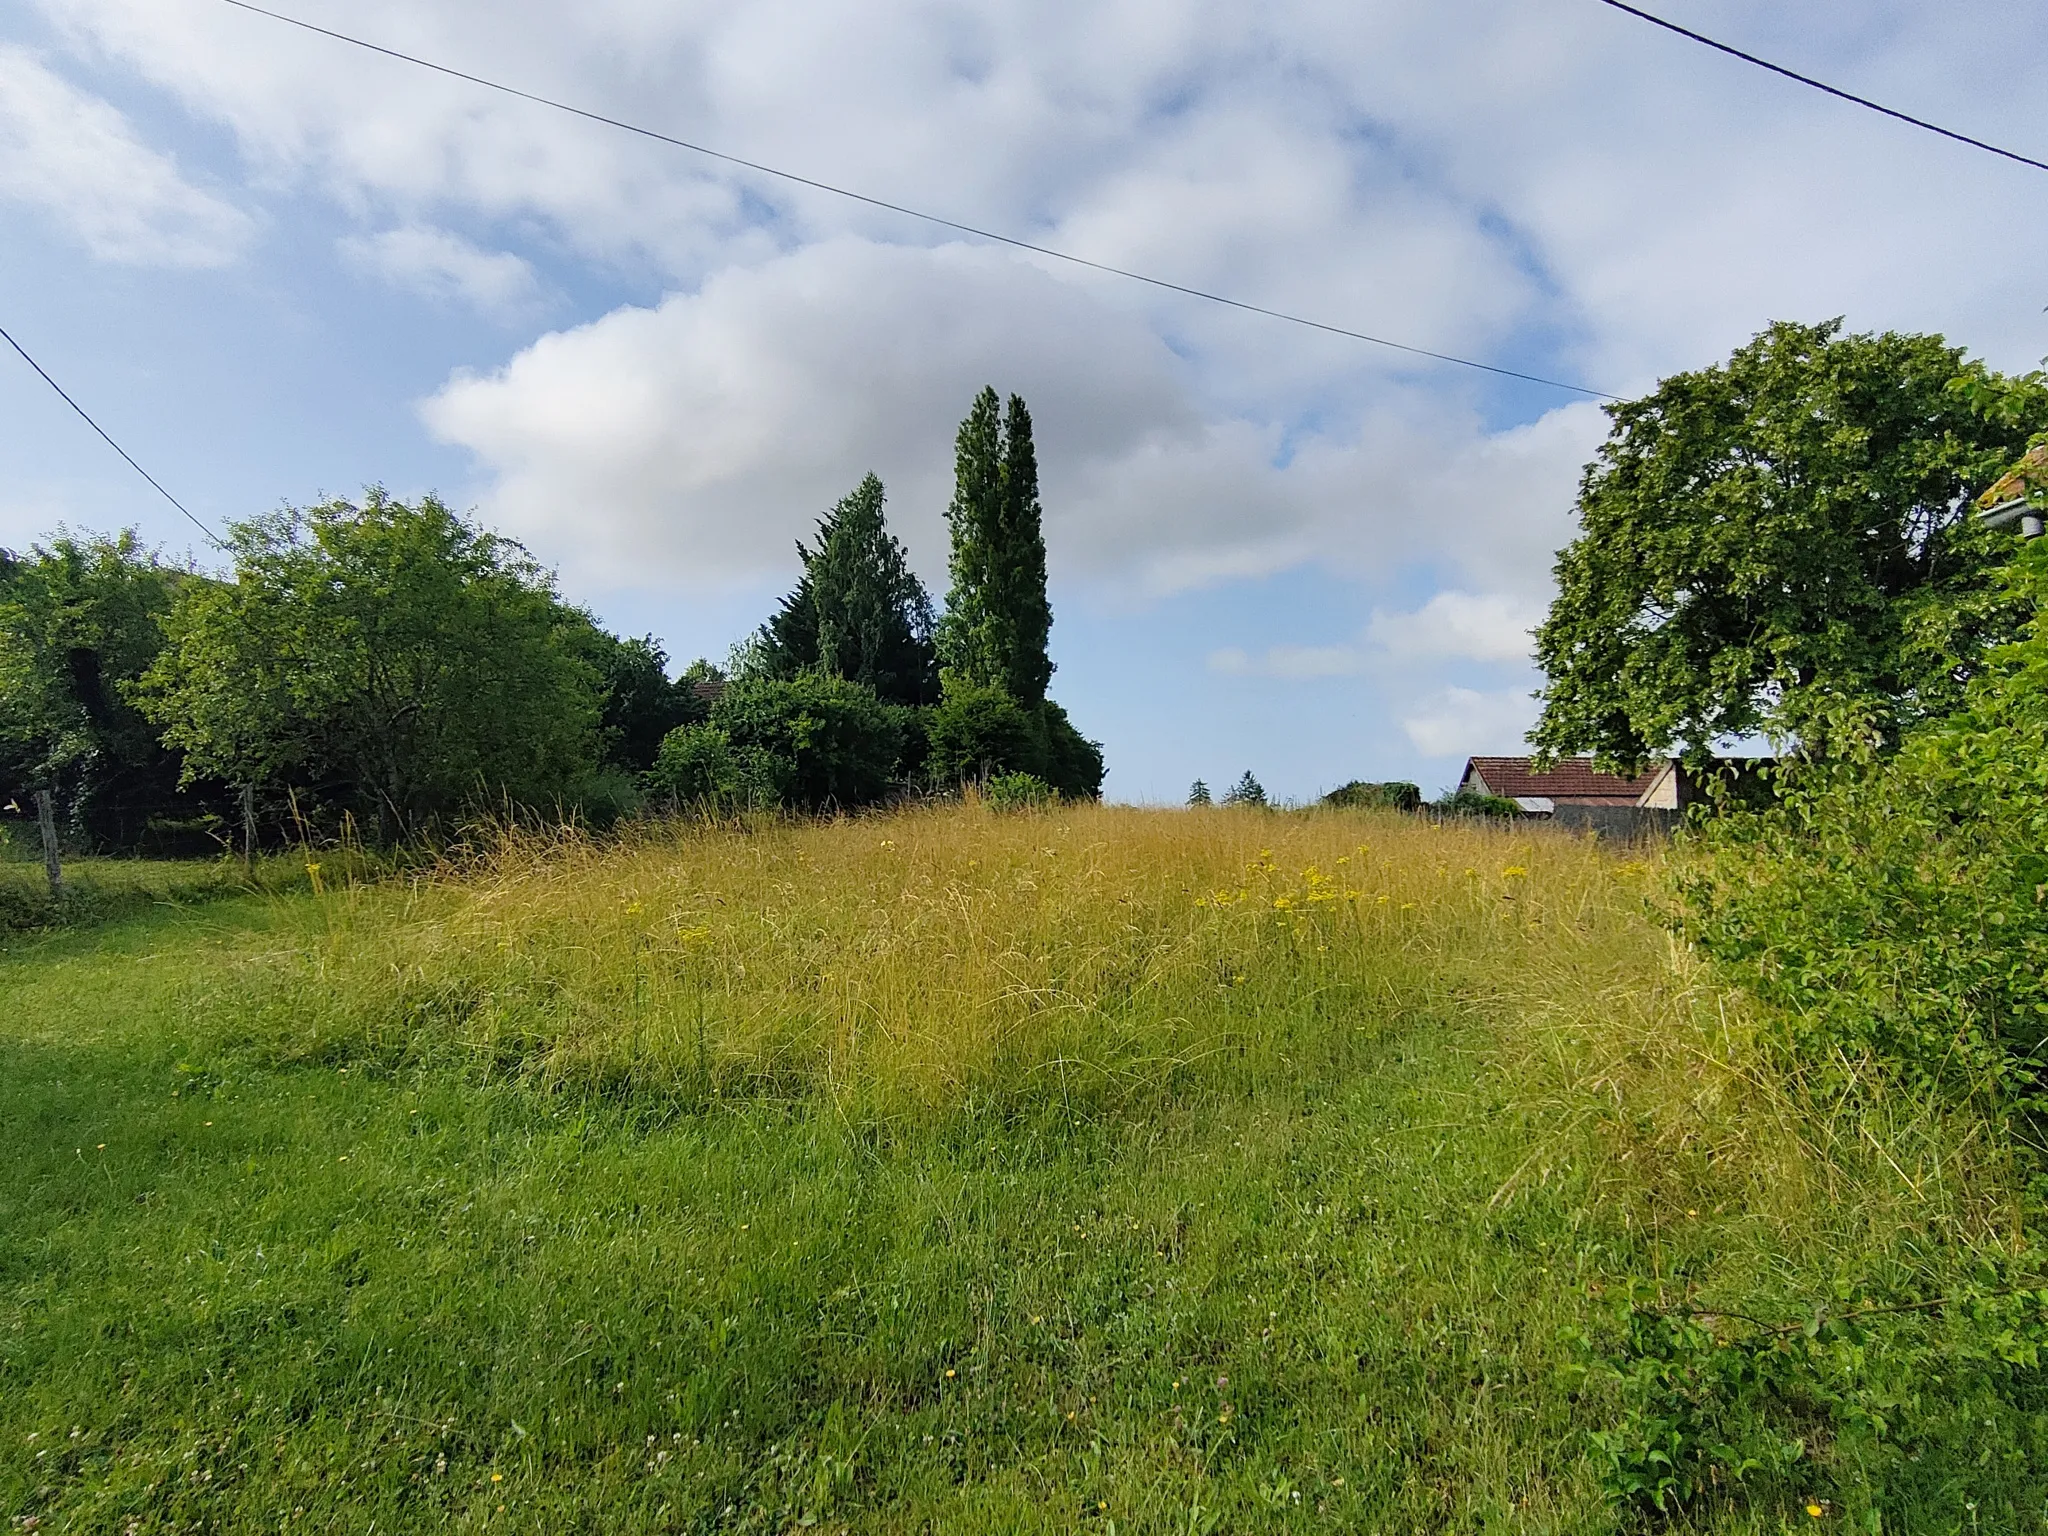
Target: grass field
x=1096, y=1169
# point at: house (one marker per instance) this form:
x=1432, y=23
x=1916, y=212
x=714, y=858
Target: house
x=1575, y=793
x=1572, y=781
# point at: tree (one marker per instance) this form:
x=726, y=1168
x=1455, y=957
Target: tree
x=998, y=619
x=1783, y=544
x=1199, y=795
x=395, y=660
x=80, y=622
x=859, y=611
x=1246, y=791
x=637, y=703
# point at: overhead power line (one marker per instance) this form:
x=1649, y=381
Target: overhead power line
x=212, y=537
x=1822, y=85
x=915, y=213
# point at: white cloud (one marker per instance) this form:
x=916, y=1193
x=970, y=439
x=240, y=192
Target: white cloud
x=443, y=265
x=693, y=440
x=1460, y=626
x=79, y=161
x=1458, y=722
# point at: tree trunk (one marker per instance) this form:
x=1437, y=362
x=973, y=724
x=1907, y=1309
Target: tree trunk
x=46, y=819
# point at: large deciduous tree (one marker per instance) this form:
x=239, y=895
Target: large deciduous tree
x=81, y=619
x=1784, y=544
x=859, y=611
x=392, y=658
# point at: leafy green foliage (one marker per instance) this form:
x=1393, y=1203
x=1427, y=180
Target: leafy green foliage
x=1895, y=909
x=638, y=705
x=1470, y=802
x=1765, y=540
x=1394, y=795
x=1072, y=763
x=823, y=742
x=391, y=660
x=859, y=611
x=997, y=618
x=698, y=768
x=978, y=732
x=1018, y=792
x=1870, y=1412
x=80, y=621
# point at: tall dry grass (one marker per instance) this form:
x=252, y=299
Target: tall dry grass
x=915, y=957
x=920, y=961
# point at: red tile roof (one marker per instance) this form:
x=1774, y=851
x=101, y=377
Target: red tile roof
x=1574, y=781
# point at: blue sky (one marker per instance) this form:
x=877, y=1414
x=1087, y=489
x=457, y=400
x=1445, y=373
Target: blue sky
x=275, y=267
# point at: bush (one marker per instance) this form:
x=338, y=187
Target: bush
x=699, y=768
x=1017, y=792
x=1895, y=909
x=1466, y=802
x=1848, y=1406
x=823, y=742
x=977, y=733
x=1361, y=795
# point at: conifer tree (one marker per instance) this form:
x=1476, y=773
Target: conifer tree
x=1247, y=791
x=859, y=611
x=998, y=620
x=1199, y=795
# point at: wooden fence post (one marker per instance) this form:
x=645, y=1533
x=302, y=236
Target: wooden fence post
x=46, y=819
x=249, y=825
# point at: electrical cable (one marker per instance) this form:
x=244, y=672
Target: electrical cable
x=1822, y=85
x=916, y=213
x=212, y=537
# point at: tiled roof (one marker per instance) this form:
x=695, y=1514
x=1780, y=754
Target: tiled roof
x=2031, y=474
x=1574, y=781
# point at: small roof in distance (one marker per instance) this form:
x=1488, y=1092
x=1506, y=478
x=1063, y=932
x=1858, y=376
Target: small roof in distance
x=1574, y=781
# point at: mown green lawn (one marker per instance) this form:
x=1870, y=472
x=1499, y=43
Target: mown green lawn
x=246, y=1290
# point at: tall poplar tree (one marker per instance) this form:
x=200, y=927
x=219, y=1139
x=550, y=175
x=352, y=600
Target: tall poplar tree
x=998, y=620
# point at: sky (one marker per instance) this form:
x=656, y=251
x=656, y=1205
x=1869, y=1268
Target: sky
x=276, y=268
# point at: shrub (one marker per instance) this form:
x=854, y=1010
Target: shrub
x=1395, y=795
x=1466, y=802
x=1017, y=792
x=1850, y=1405
x=823, y=741
x=977, y=732
x=698, y=767
x=1895, y=909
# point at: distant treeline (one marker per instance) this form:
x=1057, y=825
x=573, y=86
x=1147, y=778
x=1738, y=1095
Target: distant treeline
x=394, y=668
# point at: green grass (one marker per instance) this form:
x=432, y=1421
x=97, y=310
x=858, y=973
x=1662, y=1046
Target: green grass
x=1300, y=1243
